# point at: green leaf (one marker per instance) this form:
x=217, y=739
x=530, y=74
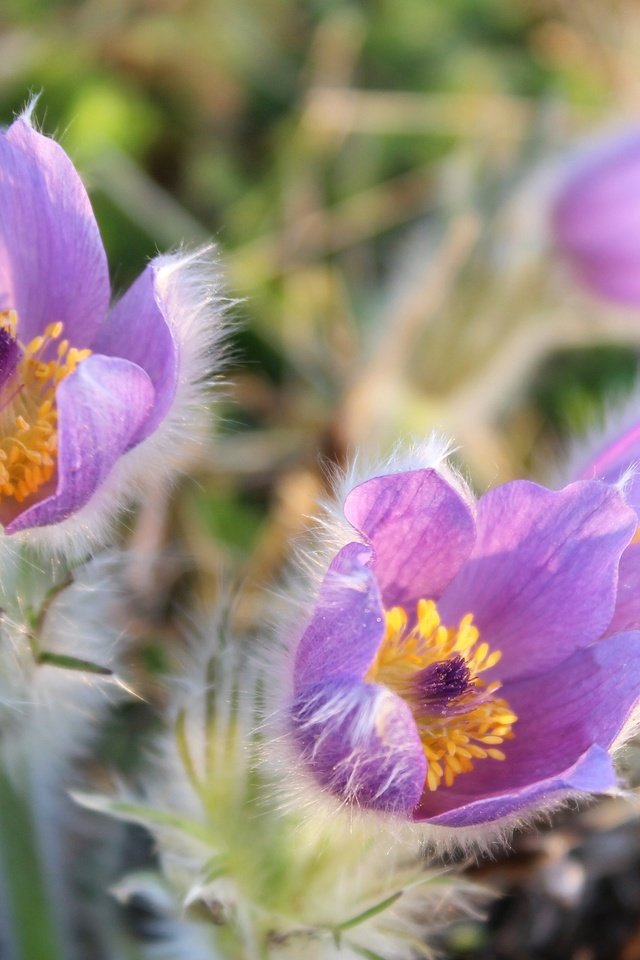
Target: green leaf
x=365, y=952
x=24, y=880
x=68, y=662
x=140, y=813
x=185, y=753
x=371, y=912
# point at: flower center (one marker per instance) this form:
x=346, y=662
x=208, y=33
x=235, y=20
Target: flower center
x=29, y=376
x=435, y=670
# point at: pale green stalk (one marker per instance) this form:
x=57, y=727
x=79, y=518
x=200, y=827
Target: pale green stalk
x=33, y=928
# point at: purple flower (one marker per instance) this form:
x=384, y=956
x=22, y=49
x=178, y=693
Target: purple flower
x=596, y=218
x=613, y=456
x=464, y=664
x=92, y=400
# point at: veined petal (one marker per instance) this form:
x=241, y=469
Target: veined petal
x=421, y=531
x=360, y=742
x=137, y=330
x=582, y=703
x=101, y=408
x=347, y=625
x=592, y=773
x=52, y=262
x=542, y=578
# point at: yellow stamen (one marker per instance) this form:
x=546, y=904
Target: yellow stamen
x=468, y=725
x=28, y=414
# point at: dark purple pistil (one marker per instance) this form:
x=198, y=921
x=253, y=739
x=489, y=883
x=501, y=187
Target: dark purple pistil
x=9, y=356
x=440, y=683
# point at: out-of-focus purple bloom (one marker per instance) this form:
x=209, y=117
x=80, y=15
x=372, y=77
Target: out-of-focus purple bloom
x=81, y=386
x=613, y=454
x=596, y=218
x=467, y=663
x=614, y=457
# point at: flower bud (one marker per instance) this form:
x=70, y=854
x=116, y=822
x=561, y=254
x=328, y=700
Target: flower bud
x=596, y=218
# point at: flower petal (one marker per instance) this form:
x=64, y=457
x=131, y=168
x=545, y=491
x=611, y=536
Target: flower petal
x=627, y=612
x=361, y=743
x=347, y=625
x=541, y=580
x=592, y=773
x=137, y=330
x=52, y=261
x=613, y=277
x=584, y=702
x=421, y=531
x=101, y=407
x=618, y=456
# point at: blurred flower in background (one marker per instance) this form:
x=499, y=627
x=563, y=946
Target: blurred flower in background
x=612, y=454
x=82, y=389
x=596, y=217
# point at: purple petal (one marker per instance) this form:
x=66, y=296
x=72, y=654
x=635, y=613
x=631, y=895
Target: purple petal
x=52, y=262
x=542, y=578
x=137, y=330
x=627, y=612
x=101, y=406
x=614, y=277
x=360, y=742
x=420, y=529
x=597, y=218
x=620, y=452
x=347, y=625
x=592, y=773
x=597, y=192
x=581, y=703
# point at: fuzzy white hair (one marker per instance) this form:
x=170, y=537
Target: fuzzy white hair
x=619, y=415
x=59, y=643
x=50, y=712
x=344, y=869
x=298, y=791
x=432, y=452
x=316, y=724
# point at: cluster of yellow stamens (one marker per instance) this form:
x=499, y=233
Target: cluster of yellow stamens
x=467, y=722
x=28, y=414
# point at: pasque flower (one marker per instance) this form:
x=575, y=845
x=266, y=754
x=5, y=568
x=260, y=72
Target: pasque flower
x=467, y=663
x=596, y=218
x=90, y=399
